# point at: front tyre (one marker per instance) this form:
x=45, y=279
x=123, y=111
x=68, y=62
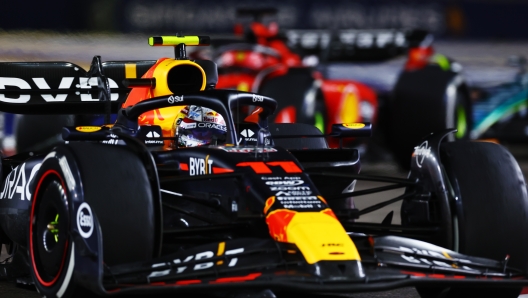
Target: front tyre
x=426, y=101
x=492, y=205
x=50, y=245
x=491, y=209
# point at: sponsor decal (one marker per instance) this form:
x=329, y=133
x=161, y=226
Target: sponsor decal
x=271, y=178
x=111, y=142
x=178, y=266
x=87, y=128
x=300, y=202
x=200, y=166
x=16, y=186
x=258, y=98
x=249, y=150
x=251, y=140
x=186, y=125
x=234, y=206
x=421, y=152
x=285, y=182
x=153, y=134
x=173, y=98
x=65, y=83
x=354, y=125
x=85, y=223
x=151, y=138
x=247, y=133
x=415, y=258
x=332, y=244
x=212, y=125
x=297, y=191
x=247, y=136
x=210, y=119
x=281, y=178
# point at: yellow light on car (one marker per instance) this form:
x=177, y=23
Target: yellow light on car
x=176, y=40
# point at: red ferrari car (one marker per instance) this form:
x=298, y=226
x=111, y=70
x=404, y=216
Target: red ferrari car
x=291, y=66
x=262, y=61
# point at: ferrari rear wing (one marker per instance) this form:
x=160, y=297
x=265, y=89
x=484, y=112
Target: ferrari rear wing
x=355, y=45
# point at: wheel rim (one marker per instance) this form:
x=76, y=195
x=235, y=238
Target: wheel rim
x=48, y=230
x=461, y=122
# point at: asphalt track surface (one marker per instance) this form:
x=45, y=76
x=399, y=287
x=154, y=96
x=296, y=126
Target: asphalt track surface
x=484, y=63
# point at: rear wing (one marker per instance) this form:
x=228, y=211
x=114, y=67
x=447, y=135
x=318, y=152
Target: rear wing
x=66, y=88
x=355, y=45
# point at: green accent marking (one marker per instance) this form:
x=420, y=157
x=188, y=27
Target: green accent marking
x=442, y=61
x=319, y=121
x=497, y=114
x=55, y=232
x=461, y=122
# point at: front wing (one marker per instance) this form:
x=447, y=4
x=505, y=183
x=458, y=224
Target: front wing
x=387, y=262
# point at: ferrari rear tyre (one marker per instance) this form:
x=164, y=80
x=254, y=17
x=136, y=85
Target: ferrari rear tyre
x=490, y=211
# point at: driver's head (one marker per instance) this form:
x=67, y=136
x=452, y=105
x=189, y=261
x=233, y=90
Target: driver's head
x=198, y=126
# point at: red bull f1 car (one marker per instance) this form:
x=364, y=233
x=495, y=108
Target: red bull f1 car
x=119, y=209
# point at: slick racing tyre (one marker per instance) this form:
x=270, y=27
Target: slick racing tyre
x=491, y=209
x=426, y=101
x=299, y=97
x=51, y=248
x=114, y=184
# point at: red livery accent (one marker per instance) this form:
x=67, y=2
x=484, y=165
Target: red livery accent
x=287, y=166
x=251, y=276
x=278, y=221
x=258, y=166
x=262, y=168
x=221, y=170
x=188, y=282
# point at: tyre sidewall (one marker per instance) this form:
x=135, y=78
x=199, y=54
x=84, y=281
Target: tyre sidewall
x=492, y=202
x=63, y=286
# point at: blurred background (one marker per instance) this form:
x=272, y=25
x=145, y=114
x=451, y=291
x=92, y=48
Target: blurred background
x=462, y=19
x=482, y=35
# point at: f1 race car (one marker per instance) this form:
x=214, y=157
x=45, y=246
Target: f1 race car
x=296, y=67
x=435, y=94
x=122, y=208
x=286, y=65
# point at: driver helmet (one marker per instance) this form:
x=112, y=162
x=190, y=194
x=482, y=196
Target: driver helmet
x=199, y=126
